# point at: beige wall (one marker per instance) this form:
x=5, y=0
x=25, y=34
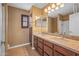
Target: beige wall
x=16, y=34
x=52, y=25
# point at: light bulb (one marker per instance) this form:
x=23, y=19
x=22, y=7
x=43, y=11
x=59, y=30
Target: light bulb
x=58, y=4
x=48, y=11
x=49, y=8
x=62, y=5
x=52, y=9
x=57, y=8
x=45, y=10
x=53, y=5
x=36, y=17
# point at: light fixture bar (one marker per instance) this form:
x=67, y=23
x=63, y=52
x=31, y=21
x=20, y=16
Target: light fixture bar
x=54, y=6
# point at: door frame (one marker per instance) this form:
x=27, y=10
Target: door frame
x=2, y=41
x=5, y=27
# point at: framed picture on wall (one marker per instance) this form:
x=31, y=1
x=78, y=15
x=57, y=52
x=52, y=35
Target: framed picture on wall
x=24, y=21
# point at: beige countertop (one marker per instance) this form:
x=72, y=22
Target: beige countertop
x=67, y=43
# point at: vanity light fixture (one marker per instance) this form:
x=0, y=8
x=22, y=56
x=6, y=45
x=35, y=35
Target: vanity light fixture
x=54, y=6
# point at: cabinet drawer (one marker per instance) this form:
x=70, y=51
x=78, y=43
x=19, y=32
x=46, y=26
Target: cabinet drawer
x=40, y=44
x=57, y=53
x=35, y=43
x=41, y=40
x=77, y=54
x=40, y=51
x=48, y=44
x=35, y=38
x=64, y=51
x=48, y=50
x=45, y=54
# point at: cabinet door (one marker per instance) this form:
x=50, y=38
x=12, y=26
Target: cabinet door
x=40, y=43
x=40, y=51
x=63, y=51
x=45, y=54
x=77, y=54
x=41, y=40
x=48, y=48
x=40, y=46
x=48, y=44
x=57, y=53
x=35, y=42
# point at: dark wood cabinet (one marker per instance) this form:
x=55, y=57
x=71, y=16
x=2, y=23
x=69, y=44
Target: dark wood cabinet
x=77, y=54
x=40, y=51
x=63, y=51
x=56, y=53
x=40, y=46
x=46, y=48
x=35, y=42
x=41, y=43
x=45, y=54
x=48, y=44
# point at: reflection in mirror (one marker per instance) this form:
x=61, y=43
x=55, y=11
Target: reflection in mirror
x=41, y=22
x=52, y=25
x=64, y=21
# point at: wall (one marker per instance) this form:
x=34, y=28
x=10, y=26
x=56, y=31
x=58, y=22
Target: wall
x=16, y=34
x=52, y=25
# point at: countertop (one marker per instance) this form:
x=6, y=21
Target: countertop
x=67, y=43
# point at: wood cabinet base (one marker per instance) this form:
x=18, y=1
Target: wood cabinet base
x=46, y=48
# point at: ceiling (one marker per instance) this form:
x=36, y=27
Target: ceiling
x=27, y=6
x=67, y=9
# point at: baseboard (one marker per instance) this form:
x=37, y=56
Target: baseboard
x=18, y=45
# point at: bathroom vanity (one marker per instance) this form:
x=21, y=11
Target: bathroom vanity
x=55, y=45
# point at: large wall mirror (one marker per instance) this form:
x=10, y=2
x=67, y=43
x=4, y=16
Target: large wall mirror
x=64, y=21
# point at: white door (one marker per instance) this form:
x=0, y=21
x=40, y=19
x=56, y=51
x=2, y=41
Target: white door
x=2, y=32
